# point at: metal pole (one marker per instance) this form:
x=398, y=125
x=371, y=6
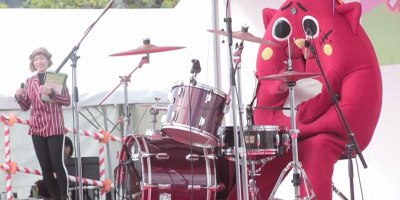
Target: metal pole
x=110, y=174
x=216, y=45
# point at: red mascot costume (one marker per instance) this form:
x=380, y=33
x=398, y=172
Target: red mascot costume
x=347, y=58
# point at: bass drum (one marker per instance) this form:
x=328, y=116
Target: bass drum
x=166, y=169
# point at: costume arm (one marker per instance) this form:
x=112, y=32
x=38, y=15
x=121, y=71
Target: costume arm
x=361, y=100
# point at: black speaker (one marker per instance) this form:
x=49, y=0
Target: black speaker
x=90, y=170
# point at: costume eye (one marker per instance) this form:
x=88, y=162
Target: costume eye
x=281, y=29
x=310, y=26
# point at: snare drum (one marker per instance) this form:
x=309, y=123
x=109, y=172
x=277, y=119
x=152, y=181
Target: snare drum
x=166, y=169
x=266, y=140
x=195, y=114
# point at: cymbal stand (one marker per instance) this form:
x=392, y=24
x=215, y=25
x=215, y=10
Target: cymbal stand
x=298, y=172
x=253, y=189
x=125, y=80
x=240, y=156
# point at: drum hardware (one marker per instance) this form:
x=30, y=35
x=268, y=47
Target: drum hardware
x=196, y=68
x=239, y=143
x=264, y=140
x=158, y=186
x=146, y=48
x=253, y=189
x=244, y=34
x=338, y=192
x=290, y=77
x=170, y=178
x=216, y=188
x=154, y=133
x=124, y=81
x=235, y=95
x=158, y=156
x=194, y=123
x=196, y=157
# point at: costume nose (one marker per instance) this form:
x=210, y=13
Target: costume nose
x=294, y=50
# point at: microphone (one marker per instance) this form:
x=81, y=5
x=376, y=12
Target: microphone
x=309, y=46
x=249, y=116
x=22, y=86
x=307, y=42
x=196, y=68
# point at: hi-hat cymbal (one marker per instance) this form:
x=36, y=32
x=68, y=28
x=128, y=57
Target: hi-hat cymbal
x=290, y=76
x=244, y=35
x=146, y=48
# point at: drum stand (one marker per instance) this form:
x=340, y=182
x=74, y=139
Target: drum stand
x=253, y=189
x=298, y=172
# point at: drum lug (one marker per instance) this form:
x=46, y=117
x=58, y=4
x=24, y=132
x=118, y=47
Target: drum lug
x=194, y=187
x=162, y=156
x=147, y=186
x=208, y=97
x=211, y=156
x=201, y=122
x=192, y=157
x=277, y=139
x=164, y=186
x=174, y=116
x=180, y=92
x=216, y=188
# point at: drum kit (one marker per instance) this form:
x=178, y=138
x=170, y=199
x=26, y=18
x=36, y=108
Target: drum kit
x=190, y=156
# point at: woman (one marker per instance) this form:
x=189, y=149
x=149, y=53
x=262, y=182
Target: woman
x=46, y=123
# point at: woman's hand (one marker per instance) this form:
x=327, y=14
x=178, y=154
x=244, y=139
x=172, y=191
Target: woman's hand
x=45, y=90
x=20, y=92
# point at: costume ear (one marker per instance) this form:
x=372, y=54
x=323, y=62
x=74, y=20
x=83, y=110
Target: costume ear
x=352, y=12
x=268, y=13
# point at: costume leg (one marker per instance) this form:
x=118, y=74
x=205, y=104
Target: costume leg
x=317, y=155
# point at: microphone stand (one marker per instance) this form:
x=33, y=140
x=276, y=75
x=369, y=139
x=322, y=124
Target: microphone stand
x=74, y=58
x=352, y=145
x=240, y=157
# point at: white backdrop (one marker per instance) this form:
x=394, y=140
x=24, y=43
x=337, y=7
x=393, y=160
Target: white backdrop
x=121, y=30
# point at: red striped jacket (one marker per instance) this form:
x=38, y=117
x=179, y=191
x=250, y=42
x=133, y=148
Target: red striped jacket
x=46, y=117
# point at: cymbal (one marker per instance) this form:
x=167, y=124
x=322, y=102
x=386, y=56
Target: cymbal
x=145, y=49
x=290, y=76
x=244, y=35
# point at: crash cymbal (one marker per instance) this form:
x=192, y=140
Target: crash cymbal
x=290, y=76
x=244, y=35
x=146, y=48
